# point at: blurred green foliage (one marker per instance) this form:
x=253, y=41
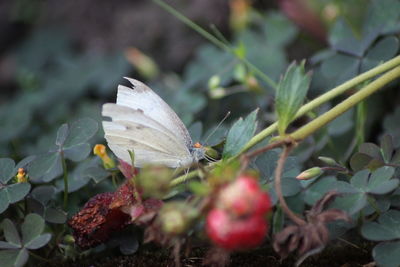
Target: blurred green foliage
x=57, y=84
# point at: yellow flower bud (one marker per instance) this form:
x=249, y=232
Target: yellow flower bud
x=100, y=150
x=21, y=176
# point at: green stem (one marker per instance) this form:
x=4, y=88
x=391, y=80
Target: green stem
x=345, y=105
x=360, y=122
x=65, y=177
x=184, y=177
x=38, y=257
x=324, y=98
x=215, y=41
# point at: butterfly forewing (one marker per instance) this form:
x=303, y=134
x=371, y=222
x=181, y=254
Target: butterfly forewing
x=141, y=121
x=141, y=97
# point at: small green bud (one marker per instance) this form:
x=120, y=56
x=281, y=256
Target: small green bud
x=177, y=217
x=310, y=173
x=214, y=82
x=154, y=181
x=212, y=153
x=328, y=161
x=69, y=239
x=217, y=93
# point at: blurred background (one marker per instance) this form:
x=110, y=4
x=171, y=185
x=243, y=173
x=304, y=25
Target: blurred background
x=61, y=60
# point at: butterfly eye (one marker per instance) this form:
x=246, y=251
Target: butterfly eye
x=197, y=145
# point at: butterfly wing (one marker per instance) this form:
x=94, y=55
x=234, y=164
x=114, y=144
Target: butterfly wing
x=132, y=129
x=141, y=97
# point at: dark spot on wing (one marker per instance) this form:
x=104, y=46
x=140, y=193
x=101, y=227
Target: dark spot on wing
x=135, y=126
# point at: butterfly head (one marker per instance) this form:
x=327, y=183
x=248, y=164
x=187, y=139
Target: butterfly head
x=198, y=151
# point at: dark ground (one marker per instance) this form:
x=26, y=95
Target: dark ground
x=338, y=254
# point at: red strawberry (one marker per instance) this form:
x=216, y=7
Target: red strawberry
x=234, y=233
x=244, y=197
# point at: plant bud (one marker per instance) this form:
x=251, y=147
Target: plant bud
x=176, y=217
x=328, y=161
x=100, y=150
x=154, y=181
x=310, y=173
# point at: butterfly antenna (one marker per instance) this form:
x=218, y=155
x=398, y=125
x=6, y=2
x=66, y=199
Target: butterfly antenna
x=216, y=128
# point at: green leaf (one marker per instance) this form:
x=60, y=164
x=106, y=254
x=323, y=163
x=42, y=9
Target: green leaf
x=380, y=175
x=385, y=187
x=96, y=173
x=80, y=132
x=352, y=203
x=23, y=163
x=341, y=124
x=16, y=192
x=371, y=150
x=290, y=95
x=239, y=134
x=6, y=170
x=360, y=180
x=21, y=258
x=318, y=189
x=392, y=126
x=54, y=215
x=290, y=186
x=38, y=241
x=32, y=227
x=10, y=233
x=45, y=168
x=387, y=254
x=279, y=29
x=360, y=161
x=382, y=51
x=14, y=258
x=6, y=245
x=338, y=69
x=62, y=134
x=387, y=147
x=78, y=152
x=386, y=229
x=382, y=15
x=43, y=193
x=4, y=202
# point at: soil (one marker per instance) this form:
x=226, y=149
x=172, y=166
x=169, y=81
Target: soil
x=339, y=254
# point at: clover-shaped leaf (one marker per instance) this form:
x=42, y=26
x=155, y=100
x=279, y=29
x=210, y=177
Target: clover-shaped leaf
x=16, y=248
x=71, y=143
x=6, y=170
x=382, y=16
x=10, y=193
x=364, y=185
x=96, y=173
x=10, y=233
x=387, y=254
x=370, y=156
x=392, y=127
x=387, y=227
x=239, y=134
x=79, y=133
x=383, y=50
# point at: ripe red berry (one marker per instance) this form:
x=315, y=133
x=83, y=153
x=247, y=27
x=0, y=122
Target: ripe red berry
x=244, y=197
x=234, y=233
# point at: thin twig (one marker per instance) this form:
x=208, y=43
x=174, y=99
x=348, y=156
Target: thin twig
x=278, y=188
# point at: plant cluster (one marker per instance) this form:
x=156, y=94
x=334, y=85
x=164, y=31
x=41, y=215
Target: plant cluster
x=307, y=176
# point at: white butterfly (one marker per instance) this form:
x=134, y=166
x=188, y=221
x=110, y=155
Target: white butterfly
x=141, y=121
